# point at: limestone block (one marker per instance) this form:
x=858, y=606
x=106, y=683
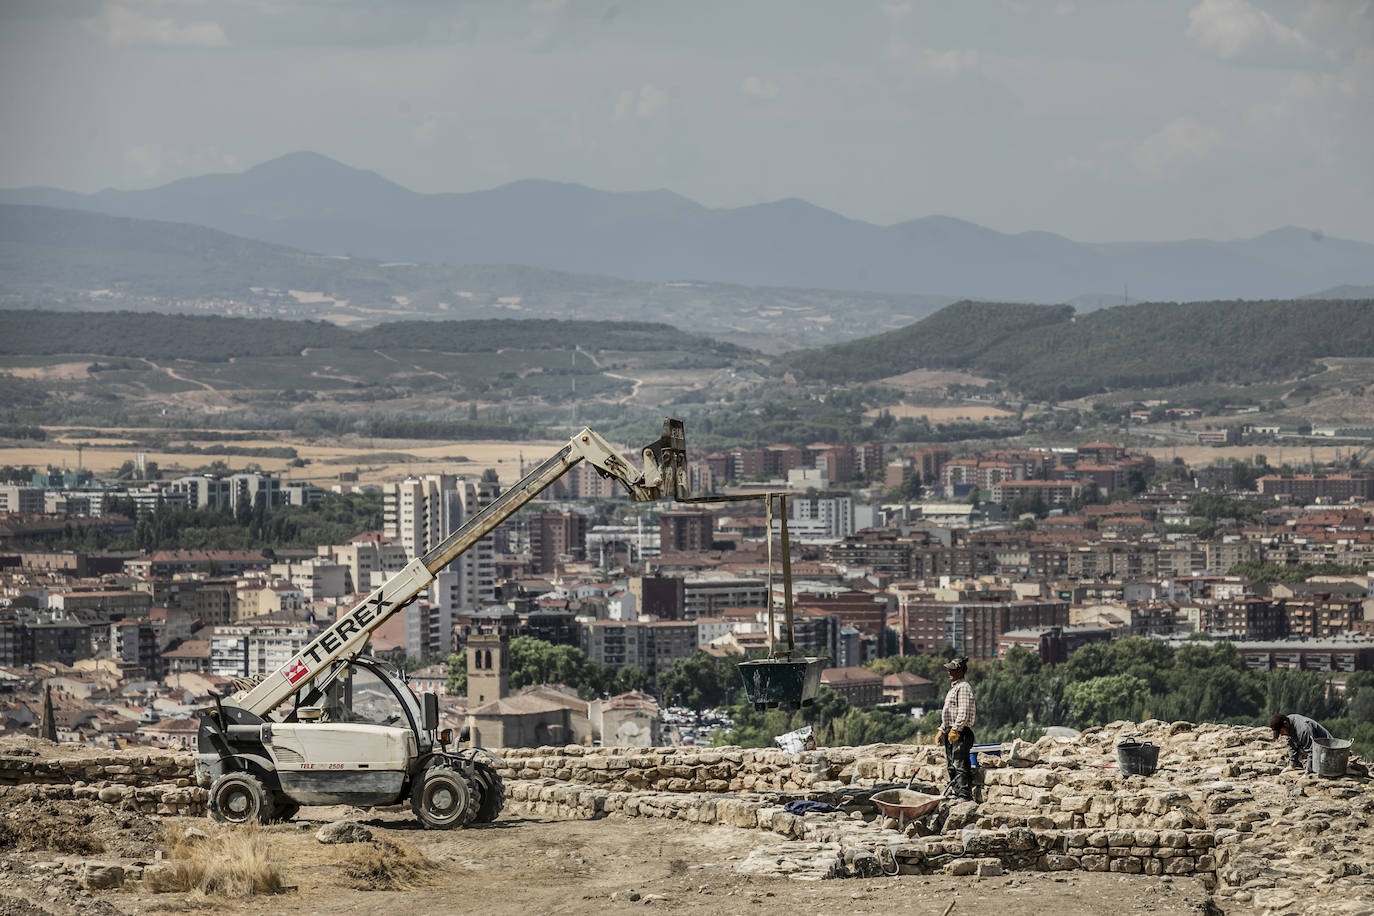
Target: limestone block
x=1129, y=865
x=962, y=867
x=1095, y=863
x=1173, y=838
x=1058, y=862
x=989, y=868
x=1153, y=866
x=1077, y=804
x=1205, y=839
x=99, y=876
x=1181, y=865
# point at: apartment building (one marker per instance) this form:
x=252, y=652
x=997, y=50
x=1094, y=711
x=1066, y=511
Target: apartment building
x=708, y=595
x=972, y=627
x=419, y=512
x=253, y=650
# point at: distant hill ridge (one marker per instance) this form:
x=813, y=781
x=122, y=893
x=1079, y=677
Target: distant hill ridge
x=312, y=203
x=1048, y=352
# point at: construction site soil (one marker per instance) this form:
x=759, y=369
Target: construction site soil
x=518, y=865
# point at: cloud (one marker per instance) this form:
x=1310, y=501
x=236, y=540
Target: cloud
x=1181, y=140
x=930, y=62
x=759, y=88
x=121, y=24
x=895, y=11
x=648, y=101
x=1236, y=30
x=427, y=130
x=155, y=160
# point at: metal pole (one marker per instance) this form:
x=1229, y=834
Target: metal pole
x=768, y=523
x=786, y=575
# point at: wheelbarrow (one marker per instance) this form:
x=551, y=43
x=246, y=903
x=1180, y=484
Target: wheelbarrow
x=906, y=804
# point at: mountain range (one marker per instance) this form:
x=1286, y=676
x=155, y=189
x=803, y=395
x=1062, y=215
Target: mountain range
x=314, y=204
x=74, y=260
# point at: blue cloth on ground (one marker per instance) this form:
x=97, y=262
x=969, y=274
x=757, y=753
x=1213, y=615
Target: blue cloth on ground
x=801, y=806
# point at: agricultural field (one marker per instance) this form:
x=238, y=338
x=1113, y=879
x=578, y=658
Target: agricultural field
x=375, y=460
x=965, y=413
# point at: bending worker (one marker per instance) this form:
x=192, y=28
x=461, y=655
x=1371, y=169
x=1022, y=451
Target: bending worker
x=1300, y=732
x=956, y=729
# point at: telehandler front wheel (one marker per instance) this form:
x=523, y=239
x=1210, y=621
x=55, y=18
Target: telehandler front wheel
x=442, y=799
x=239, y=798
x=491, y=792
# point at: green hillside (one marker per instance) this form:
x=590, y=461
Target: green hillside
x=1047, y=352
x=216, y=339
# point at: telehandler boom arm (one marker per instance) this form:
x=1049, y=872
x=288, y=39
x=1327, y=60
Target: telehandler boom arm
x=664, y=475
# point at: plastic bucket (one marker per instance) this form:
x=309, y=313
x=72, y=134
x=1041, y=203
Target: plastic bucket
x=1136, y=759
x=1329, y=756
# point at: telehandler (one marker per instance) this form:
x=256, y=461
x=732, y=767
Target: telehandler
x=355, y=733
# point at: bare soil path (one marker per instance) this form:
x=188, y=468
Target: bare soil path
x=524, y=866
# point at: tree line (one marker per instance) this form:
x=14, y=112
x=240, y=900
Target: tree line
x=1017, y=696
x=339, y=517
x=1049, y=353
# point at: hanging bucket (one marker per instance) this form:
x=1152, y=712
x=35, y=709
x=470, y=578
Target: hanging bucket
x=1329, y=756
x=786, y=682
x=1136, y=759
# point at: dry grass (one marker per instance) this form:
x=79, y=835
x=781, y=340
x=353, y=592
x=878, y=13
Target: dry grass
x=233, y=865
x=381, y=459
x=384, y=865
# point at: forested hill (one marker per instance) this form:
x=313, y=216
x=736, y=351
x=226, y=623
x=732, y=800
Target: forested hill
x=215, y=339
x=1048, y=352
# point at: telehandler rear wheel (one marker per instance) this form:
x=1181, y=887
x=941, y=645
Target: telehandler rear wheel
x=491, y=792
x=239, y=798
x=442, y=799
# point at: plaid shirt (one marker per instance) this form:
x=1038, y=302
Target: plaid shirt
x=959, y=708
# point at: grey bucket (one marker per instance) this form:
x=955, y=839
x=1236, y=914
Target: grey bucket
x=1329, y=756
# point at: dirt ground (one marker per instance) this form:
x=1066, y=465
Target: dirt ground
x=526, y=866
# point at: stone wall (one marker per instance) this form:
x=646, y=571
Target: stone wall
x=1221, y=806
x=155, y=782
x=852, y=839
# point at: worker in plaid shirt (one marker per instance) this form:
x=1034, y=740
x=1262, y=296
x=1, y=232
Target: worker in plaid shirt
x=956, y=729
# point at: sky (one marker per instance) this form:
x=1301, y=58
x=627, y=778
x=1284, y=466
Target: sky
x=1095, y=119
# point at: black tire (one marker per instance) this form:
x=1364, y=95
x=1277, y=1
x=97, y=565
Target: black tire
x=442, y=799
x=239, y=798
x=491, y=792
x=285, y=809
